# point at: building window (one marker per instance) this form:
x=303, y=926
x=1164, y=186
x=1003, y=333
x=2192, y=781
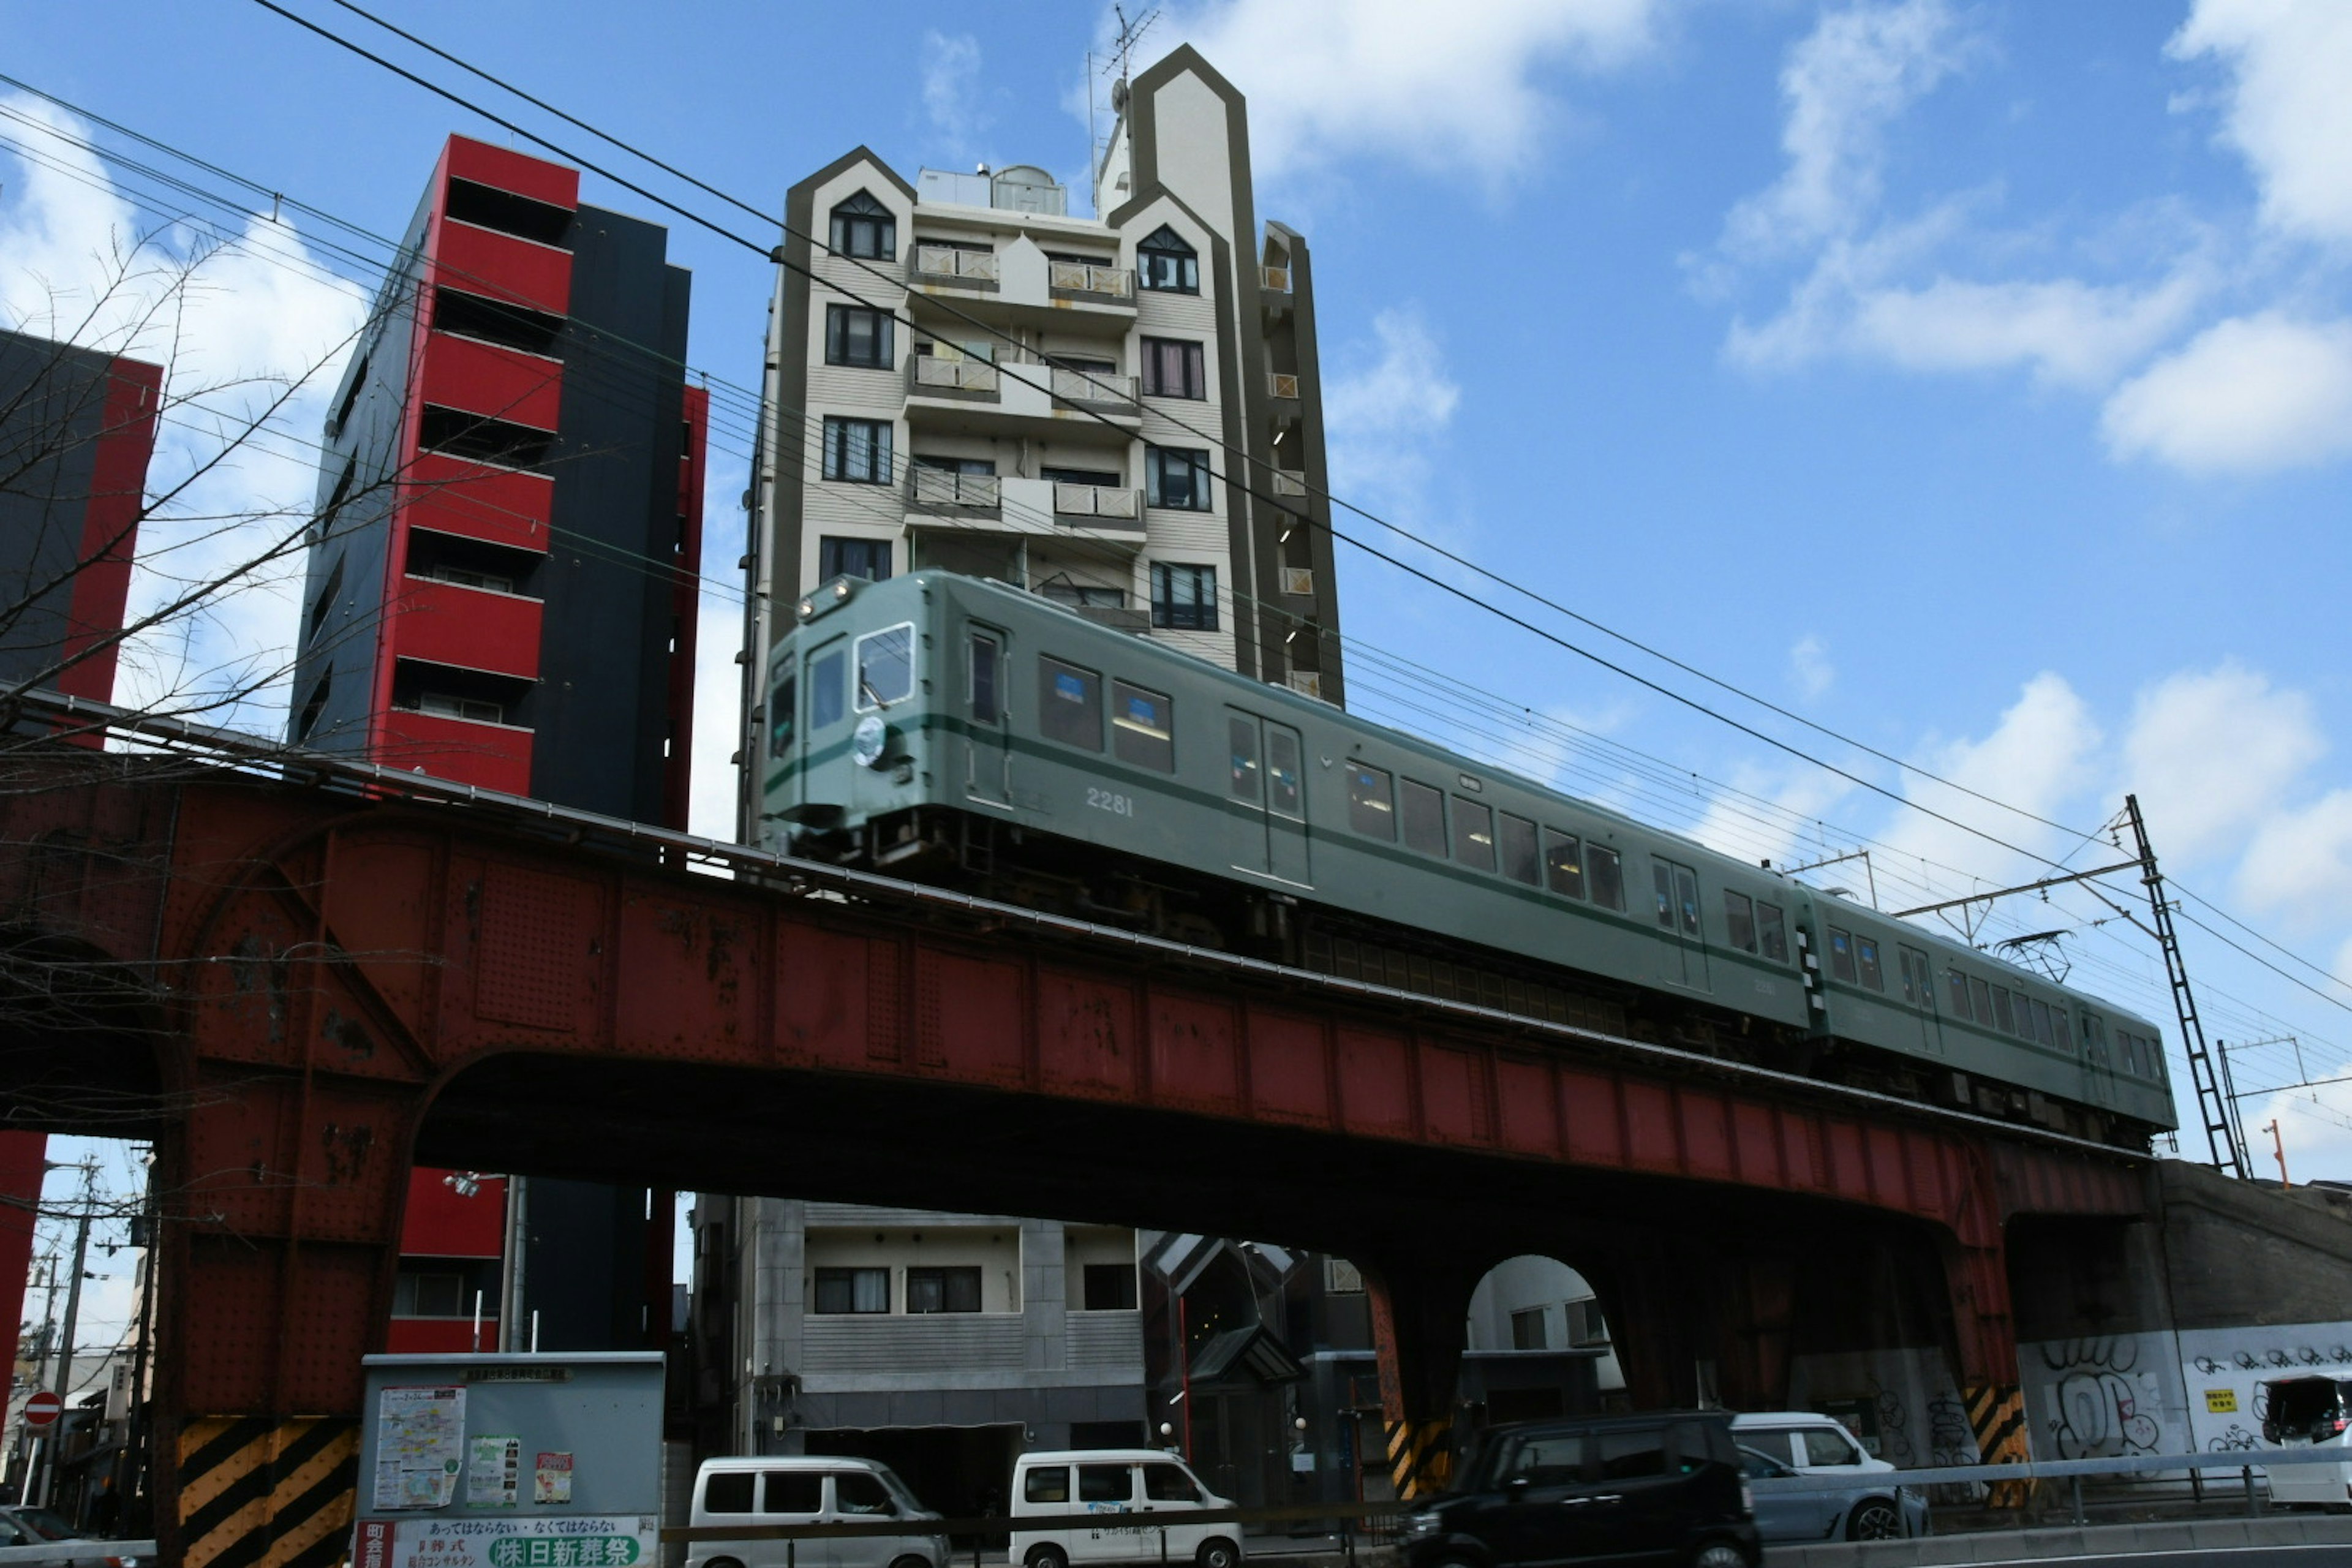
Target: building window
x=943, y=1289
x=1174, y=368
x=1163, y=261
x=867, y=558
x=857, y=450
x=1527, y=1330
x=852, y=1290
x=863, y=227
x=429, y=1296
x=1585, y=1326
x=1083, y=595
x=1109, y=1288
x=1183, y=598
x=855, y=335
x=1177, y=477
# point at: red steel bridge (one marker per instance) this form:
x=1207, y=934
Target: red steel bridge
x=300, y=975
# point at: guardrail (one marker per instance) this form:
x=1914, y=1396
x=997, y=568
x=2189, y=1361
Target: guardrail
x=123, y=1552
x=2244, y=1460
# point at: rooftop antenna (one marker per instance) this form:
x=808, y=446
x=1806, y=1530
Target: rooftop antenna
x=1122, y=48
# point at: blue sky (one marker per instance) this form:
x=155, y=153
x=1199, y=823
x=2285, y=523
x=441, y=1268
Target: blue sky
x=1975, y=379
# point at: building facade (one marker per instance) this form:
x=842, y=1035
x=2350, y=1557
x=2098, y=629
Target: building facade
x=1121, y=412
x=501, y=592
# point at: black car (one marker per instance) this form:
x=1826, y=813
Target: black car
x=1664, y=1489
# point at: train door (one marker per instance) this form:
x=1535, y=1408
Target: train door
x=1683, y=959
x=989, y=757
x=1919, y=995
x=1267, y=784
x=2098, y=1063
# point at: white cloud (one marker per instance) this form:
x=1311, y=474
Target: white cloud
x=2067, y=331
x=2288, y=113
x=1765, y=814
x=1858, y=71
x=1810, y=666
x=2248, y=396
x=1390, y=402
x=2212, y=753
x=236, y=319
x=2299, y=862
x=950, y=68
x=2036, y=759
x=1428, y=86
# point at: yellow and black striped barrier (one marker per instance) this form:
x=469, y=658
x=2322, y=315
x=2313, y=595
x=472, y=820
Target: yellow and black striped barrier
x=1997, y=1416
x=260, y=1491
x=1421, y=1456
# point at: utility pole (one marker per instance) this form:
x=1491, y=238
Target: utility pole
x=2278, y=1150
x=2220, y=1136
x=73, y=1286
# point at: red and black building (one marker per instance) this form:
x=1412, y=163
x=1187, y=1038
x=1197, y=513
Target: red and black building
x=501, y=592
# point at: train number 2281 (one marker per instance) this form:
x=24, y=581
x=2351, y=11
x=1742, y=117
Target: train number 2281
x=1106, y=800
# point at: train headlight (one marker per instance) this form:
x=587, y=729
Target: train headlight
x=870, y=741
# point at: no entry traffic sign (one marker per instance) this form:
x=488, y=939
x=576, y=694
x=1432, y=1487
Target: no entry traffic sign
x=43, y=1408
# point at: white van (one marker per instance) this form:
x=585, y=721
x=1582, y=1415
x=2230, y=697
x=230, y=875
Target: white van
x=783, y=1489
x=2315, y=1409
x=1117, y=1480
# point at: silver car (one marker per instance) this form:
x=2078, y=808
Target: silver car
x=1871, y=1509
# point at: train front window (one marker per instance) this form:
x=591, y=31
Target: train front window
x=1142, y=728
x=1842, y=955
x=1285, y=783
x=987, y=704
x=1069, y=704
x=1474, y=834
x=784, y=703
x=826, y=677
x=1243, y=780
x=1865, y=958
x=886, y=667
x=1425, y=819
x=1371, y=804
x=1739, y=919
x=1606, y=875
x=1563, y=864
x=1516, y=841
x=1771, y=933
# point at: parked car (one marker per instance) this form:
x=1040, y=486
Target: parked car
x=1117, y=1480
x=22, y=1524
x=1658, y=1488
x=1878, y=1508
x=779, y=1489
x=2316, y=1409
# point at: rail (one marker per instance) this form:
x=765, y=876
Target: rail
x=252, y=756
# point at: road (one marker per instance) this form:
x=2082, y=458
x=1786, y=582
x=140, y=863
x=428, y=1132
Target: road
x=2329, y=1556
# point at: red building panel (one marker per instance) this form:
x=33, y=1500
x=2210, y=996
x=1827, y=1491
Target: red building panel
x=441, y=1336
x=508, y=170
x=473, y=628
x=110, y=527
x=503, y=267
x=440, y=1223
x=493, y=756
x=501, y=506
x=475, y=377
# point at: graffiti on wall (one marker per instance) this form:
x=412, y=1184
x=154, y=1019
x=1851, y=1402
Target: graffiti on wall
x=2099, y=1404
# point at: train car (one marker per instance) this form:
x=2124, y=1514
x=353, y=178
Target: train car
x=959, y=731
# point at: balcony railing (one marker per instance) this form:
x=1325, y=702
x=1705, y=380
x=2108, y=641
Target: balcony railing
x=1286, y=483
x=944, y=490
x=1282, y=385
x=1085, y=278
x=1276, y=278
x=937, y=374
x=955, y=262
x=1103, y=503
x=1101, y=388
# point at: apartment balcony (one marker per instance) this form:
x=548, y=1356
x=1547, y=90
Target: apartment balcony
x=1018, y=397
x=1040, y=510
x=504, y=266
x=880, y=1346
x=501, y=506
x=463, y=750
x=934, y=375
x=1111, y=1340
x=937, y=491
x=1281, y=385
x=1097, y=506
x=1286, y=483
x=1274, y=291
x=1095, y=285
x=475, y=377
x=470, y=628
x=956, y=267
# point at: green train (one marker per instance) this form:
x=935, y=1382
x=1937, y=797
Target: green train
x=955, y=731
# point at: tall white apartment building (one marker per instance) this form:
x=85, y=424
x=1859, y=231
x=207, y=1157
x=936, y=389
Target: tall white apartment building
x=1122, y=413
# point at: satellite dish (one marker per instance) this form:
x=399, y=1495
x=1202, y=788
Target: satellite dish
x=1119, y=94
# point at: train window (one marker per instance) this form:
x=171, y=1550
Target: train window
x=1865, y=958
x=1474, y=834
x=1069, y=704
x=987, y=699
x=1425, y=818
x=1283, y=778
x=1563, y=864
x=1772, y=934
x=1739, y=919
x=2042, y=1024
x=1686, y=900
x=825, y=673
x=1842, y=955
x=2060, y=1035
x=1960, y=993
x=1918, y=980
x=783, y=705
x=1661, y=885
x=1142, y=728
x=1372, y=810
x=1981, y=1001
x=886, y=667
x=1517, y=839
x=1677, y=890
x=2094, y=1035
x=1244, y=781
x=1606, y=875
x=2002, y=1013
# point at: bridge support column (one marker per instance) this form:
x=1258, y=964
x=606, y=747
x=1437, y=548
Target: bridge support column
x=1978, y=1270
x=1420, y=1317
x=1757, y=1324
